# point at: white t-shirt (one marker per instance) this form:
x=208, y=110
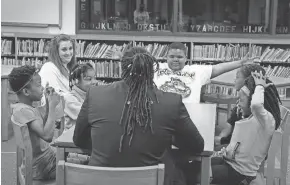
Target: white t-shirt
x=187, y=82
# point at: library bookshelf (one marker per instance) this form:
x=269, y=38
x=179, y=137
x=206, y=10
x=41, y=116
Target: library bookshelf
x=32, y=49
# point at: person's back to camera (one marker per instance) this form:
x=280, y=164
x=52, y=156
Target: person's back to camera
x=136, y=128
x=26, y=82
x=81, y=78
x=252, y=135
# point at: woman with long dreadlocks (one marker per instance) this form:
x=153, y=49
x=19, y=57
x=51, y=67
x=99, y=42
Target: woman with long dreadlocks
x=131, y=123
x=240, y=160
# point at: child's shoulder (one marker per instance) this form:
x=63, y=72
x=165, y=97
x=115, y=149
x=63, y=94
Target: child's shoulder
x=23, y=113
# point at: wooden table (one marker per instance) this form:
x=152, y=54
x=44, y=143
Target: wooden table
x=64, y=144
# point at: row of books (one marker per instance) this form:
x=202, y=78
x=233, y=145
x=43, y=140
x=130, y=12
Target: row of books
x=159, y=51
x=207, y=52
x=33, y=47
x=106, y=69
x=229, y=52
x=6, y=47
x=218, y=52
x=99, y=50
x=220, y=89
x=230, y=91
x=275, y=55
x=25, y=61
x=278, y=71
x=103, y=50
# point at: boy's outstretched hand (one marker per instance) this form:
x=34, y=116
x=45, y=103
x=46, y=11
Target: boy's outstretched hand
x=250, y=60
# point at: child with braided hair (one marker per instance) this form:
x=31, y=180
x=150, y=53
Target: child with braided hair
x=242, y=75
x=26, y=82
x=80, y=80
x=251, y=138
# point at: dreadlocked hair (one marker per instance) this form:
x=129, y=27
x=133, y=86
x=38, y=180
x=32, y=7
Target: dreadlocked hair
x=137, y=72
x=20, y=76
x=78, y=71
x=271, y=98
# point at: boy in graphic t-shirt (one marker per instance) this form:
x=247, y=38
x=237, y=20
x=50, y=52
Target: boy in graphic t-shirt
x=187, y=80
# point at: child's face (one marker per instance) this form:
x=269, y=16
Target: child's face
x=244, y=103
x=35, y=90
x=239, y=80
x=87, y=80
x=176, y=59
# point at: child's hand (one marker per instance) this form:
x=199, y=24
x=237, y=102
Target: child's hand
x=53, y=99
x=260, y=79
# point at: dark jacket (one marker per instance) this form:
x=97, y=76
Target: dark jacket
x=97, y=128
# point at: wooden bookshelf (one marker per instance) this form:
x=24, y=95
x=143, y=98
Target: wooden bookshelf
x=31, y=49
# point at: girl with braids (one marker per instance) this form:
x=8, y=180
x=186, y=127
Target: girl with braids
x=26, y=82
x=131, y=123
x=242, y=74
x=252, y=135
x=81, y=78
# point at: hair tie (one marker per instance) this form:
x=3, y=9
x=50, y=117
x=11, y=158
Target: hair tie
x=36, y=71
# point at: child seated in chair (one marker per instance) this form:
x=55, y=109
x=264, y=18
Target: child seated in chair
x=80, y=80
x=239, y=162
x=243, y=73
x=26, y=83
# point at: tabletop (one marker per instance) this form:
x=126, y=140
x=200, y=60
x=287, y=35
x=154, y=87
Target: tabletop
x=66, y=141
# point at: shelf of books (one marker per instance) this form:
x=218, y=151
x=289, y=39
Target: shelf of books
x=24, y=50
x=29, y=49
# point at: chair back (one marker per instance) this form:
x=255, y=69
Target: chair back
x=277, y=161
x=24, y=154
x=75, y=174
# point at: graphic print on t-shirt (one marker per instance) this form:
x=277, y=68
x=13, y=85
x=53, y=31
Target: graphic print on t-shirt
x=176, y=82
x=175, y=85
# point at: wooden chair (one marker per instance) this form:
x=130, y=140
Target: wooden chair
x=75, y=174
x=24, y=156
x=279, y=152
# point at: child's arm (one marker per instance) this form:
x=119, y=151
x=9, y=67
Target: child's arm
x=257, y=103
x=72, y=106
x=46, y=131
x=229, y=66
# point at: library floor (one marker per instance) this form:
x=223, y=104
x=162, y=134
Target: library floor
x=8, y=163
